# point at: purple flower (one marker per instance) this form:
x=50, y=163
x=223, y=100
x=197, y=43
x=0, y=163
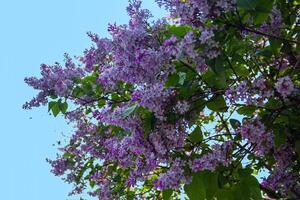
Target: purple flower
x=173, y=178
x=284, y=156
x=196, y=12
x=206, y=34
x=282, y=63
x=281, y=180
x=275, y=24
x=55, y=80
x=284, y=86
x=154, y=97
x=255, y=132
x=182, y=107
x=218, y=156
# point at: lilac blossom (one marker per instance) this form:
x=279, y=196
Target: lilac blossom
x=256, y=133
x=136, y=62
x=154, y=97
x=284, y=156
x=196, y=12
x=55, y=80
x=206, y=34
x=262, y=88
x=284, y=86
x=252, y=94
x=116, y=117
x=173, y=177
x=275, y=24
x=281, y=180
x=282, y=63
x=182, y=107
x=218, y=157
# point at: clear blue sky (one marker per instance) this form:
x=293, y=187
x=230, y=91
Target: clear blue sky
x=34, y=32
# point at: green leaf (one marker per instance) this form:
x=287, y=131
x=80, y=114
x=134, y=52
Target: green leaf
x=275, y=46
x=217, y=65
x=196, y=189
x=211, y=184
x=264, y=6
x=101, y=103
x=246, y=110
x=247, y=4
x=87, y=88
x=54, y=107
x=217, y=104
x=166, y=194
x=63, y=107
x=273, y=104
x=234, y=123
x=173, y=80
x=53, y=96
x=148, y=120
x=51, y=104
x=68, y=155
x=253, y=185
x=215, y=80
x=241, y=70
x=282, y=119
x=179, y=31
x=259, y=18
x=129, y=110
x=279, y=137
x=196, y=136
x=265, y=52
x=182, y=77
x=224, y=194
x=296, y=2
x=248, y=187
x=77, y=92
x=92, y=184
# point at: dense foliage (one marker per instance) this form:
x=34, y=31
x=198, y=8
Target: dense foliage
x=194, y=105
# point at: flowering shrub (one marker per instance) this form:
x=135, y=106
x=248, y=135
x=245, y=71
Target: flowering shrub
x=194, y=105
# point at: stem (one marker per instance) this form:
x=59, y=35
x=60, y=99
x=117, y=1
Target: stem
x=231, y=66
x=225, y=125
x=269, y=192
x=242, y=27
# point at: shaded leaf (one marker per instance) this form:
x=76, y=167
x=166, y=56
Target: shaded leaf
x=196, y=136
x=166, y=194
x=129, y=110
x=196, y=189
x=217, y=104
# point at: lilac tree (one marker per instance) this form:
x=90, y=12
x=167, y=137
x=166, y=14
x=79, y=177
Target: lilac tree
x=194, y=105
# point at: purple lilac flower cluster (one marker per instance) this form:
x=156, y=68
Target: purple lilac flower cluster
x=168, y=137
x=196, y=12
x=138, y=57
x=259, y=91
x=284, y=86
x=55, y=80
x=275, y=24
x=154, y=97
x=173, y=178
x=117, y=118
x=256, y=133
x=182, y=107
x=252, y=94
x=218, y=157
x=282, y=179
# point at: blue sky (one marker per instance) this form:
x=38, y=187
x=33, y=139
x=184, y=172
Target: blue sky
x=34, y=32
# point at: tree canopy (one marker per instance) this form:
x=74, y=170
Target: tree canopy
x=195, y=105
